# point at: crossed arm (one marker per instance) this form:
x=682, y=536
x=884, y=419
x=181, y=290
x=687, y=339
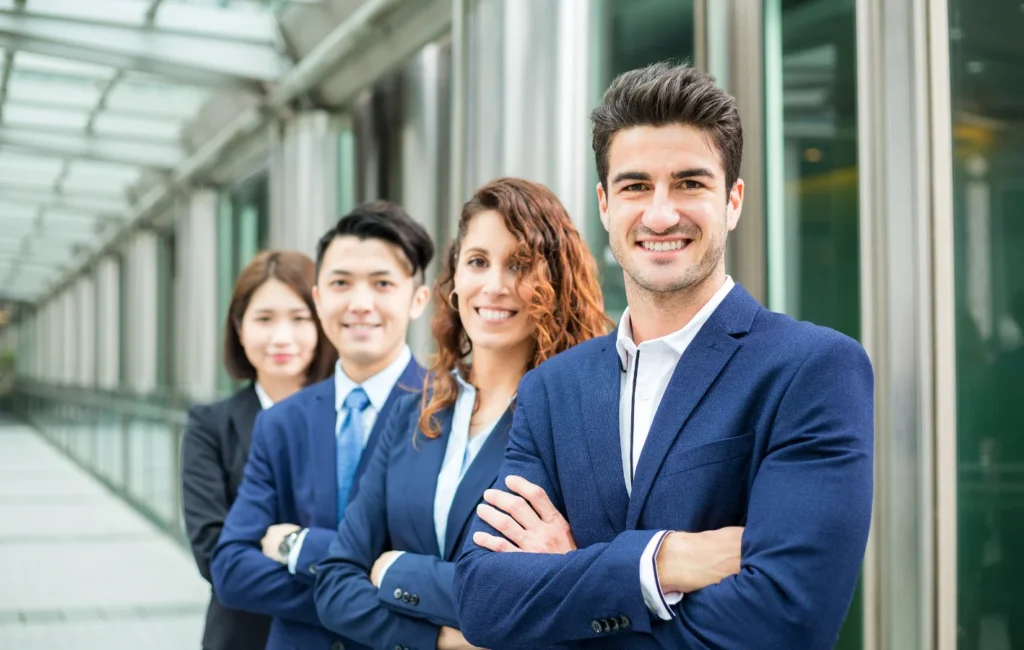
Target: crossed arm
x=802, y=547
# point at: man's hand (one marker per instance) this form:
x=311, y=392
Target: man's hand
x=691, y=561
x=381, y=565
x=272, y=539
x=452, y=639
x=529, y=522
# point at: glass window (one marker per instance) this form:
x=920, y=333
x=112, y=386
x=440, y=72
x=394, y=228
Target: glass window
x=811, y=176
x=986, y=55
x=636, y=33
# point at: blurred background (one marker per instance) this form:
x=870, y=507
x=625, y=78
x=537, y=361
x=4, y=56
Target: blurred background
x=149, y=148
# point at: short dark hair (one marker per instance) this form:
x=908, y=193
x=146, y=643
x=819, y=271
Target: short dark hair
x=385, y=221
x=662, y=94
x=295, y=270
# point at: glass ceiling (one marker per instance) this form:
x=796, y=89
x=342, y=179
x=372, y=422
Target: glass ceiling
x=95, y=93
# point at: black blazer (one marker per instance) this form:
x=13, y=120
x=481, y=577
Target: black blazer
x=213, y=456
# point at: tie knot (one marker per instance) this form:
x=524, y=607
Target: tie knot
x=357, y=400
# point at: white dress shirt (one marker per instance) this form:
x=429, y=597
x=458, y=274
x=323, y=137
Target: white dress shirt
x=647, y=369
x=460, y=451
x=378, y=388
x=265, y=401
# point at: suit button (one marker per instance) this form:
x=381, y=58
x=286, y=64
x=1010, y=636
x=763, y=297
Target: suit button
x=398, y=647
x=414, y=600
x=623, y=622
x=605, y=626
x=337, y=645
x=398, y=594
x=312, y=571
x=595, y=626
x=614, y=622
x=406, y=597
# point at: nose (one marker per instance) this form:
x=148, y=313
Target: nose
x=662, y=214
x=498, y=281
x=361, y=299
x=282, y=332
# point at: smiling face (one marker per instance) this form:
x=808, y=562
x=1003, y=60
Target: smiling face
x=277, y=332
x=492, y=310
x=667, y=209
x=365, y=297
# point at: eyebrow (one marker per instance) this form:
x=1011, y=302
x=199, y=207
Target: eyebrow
x=696, y=172
x=476, y=249
x=372, y=274
x=270, y=310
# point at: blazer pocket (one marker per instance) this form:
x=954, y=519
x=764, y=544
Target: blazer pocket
x=709, y=453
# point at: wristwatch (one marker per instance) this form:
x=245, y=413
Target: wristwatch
x=285, y=549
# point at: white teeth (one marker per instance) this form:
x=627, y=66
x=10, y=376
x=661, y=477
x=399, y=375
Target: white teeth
x=494, y=314
x=662, y=246
x=360, y=326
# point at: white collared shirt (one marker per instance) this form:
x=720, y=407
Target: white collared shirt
x=265, y=401
x=647, y=369
x=378, y=388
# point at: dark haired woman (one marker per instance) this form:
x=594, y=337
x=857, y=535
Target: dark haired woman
x=272, y=339
x=518, y=287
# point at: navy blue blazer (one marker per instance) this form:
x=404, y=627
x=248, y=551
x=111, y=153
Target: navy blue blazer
x=766, y=423
x=291, y=478
x=395, y=511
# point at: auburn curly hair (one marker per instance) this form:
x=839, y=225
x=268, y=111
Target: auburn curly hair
x=566, y=305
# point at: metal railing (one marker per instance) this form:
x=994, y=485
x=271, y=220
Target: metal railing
x=130, y=443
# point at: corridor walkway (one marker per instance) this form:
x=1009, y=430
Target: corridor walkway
x=79, y=568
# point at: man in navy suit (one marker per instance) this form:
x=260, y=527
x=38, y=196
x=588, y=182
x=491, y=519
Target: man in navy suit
x=702, y=477
x=309, y=451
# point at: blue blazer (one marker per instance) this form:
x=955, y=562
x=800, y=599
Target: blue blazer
x=291, y=478
x=766, y=423
x=395, y=510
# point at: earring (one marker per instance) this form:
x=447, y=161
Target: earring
x=452, y=300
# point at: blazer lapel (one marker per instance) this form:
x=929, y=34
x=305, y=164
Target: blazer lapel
x=480, y=476
x=601, y=375
x=246, y=406
x=322, y=422
x=410, y=381
x=427, y=456
x=694, y=374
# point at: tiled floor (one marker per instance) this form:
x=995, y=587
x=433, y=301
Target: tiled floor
x=79, y=568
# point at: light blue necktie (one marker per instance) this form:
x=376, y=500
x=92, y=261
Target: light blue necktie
x=350, y=445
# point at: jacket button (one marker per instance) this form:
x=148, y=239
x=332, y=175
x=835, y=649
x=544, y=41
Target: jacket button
x=595, y=626
x=337, y=645
x=398, y=594
x=623, y=621
x=614, y=622
x=605, y=626
x=414, y=600
x=406, y=597
x=312, y=571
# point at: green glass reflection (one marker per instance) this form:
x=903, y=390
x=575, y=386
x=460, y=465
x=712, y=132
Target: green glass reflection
x=986, y=56
x=811, y=177
x=636, y=33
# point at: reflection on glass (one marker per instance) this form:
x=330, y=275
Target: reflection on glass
x=986, y=55
x=811, y=176
x=636, y=33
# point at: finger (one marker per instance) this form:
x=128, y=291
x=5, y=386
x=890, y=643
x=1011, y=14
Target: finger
x=502, y=523
x=537, y=498
x=492, y=543
x=513, y=505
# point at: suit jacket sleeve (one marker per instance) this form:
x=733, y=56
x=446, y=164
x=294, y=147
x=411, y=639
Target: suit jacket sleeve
x=534, y=600
x=204, y=493
x=243, y=577
x=346, y=600
x=808, y=517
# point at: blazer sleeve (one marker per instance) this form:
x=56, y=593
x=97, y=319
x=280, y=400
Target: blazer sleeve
x=204, y=491
x=532, y=599
x=807, y=520
x=244, y=578
x=346, y=600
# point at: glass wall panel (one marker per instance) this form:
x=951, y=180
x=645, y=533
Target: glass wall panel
x=986, y=57
x=811, y=175
x=635, y=33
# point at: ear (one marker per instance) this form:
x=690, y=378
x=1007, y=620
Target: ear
x=735, y=204
x=602, y=204
x=420, y=298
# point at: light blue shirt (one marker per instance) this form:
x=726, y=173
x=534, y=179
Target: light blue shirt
x=378, y=388
x=458, y=456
